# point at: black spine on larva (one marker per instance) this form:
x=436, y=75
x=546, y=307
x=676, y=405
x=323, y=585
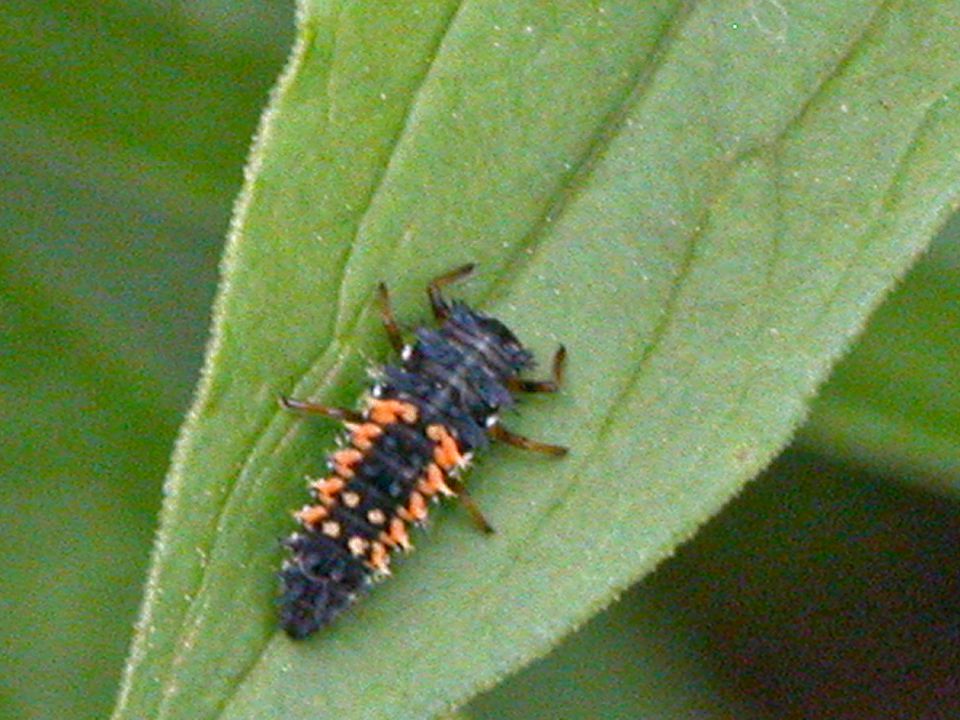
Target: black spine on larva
x=456, y=376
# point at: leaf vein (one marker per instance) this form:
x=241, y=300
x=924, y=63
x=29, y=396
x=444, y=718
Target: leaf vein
x=889, y=198
x=607, y=130
x=660, y=330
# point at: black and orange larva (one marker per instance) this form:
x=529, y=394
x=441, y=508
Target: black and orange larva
x=418, y=429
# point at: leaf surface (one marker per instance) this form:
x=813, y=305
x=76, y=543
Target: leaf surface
x=702, y=201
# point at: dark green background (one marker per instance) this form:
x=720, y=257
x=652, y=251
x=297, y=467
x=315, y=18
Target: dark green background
x=123, y=129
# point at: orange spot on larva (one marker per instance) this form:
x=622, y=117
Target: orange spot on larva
x=364, y=435
x=344, y=461
x=446, y=453
x=398, y=535
x=328, y=488
x=409, y=413
x=385, y=412
x=417, y=507
x=437, y=479
x=357, y=545
x=311, y=515
x=379, y=559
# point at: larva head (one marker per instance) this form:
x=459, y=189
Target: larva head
x=492, y=336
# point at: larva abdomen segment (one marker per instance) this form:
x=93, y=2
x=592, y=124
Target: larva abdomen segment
x=379, y=485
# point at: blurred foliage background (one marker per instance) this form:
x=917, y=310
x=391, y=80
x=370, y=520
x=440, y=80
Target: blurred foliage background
x=830, y=588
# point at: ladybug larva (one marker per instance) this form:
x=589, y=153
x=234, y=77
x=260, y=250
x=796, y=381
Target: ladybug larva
x=416, y=433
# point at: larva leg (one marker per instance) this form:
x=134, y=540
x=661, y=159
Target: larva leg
x=464, y=497
x=306, y=407
x=497, y=432
x=439, y=305
x=388, y=318
x=551, y=385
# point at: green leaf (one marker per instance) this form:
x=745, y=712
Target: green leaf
x=702, y=201
x=800, y=599
x=893, y=404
